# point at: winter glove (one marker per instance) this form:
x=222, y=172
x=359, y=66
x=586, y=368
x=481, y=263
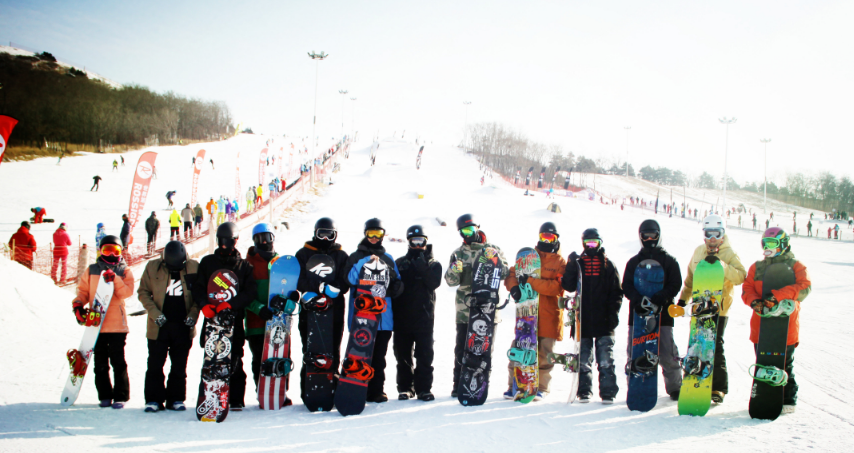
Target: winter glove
x=712, y=259
x=80, y=312
x=573, y=258
x=456, y=266
x=420, y=264
x=659, y=299
x=109, y=276
x=395, y=288
x=682, y=303
x=160, y=321
x=757, y=305
x=523, y=279
x=209, y=310
x=516, y=293
x=329, y=290
x=265, y=313
x=189, y=322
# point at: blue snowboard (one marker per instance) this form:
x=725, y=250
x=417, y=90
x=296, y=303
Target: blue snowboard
x=643, y=388
x=272, y=390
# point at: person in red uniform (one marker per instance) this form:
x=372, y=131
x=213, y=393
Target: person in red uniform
x=61, y=243
x=23, y=245
x=38, y=214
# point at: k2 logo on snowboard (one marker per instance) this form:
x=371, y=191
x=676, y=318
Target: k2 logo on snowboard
x=321, y=270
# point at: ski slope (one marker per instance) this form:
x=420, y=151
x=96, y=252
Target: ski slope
x=38, y=328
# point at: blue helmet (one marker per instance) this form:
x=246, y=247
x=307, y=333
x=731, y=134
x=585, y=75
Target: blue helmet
x=262, y=228
x=100, y=225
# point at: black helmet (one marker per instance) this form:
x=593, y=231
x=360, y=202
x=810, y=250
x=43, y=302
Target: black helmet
x=415, y=231
x=549, y=227
x=324, y=222
x=649, y=226
x=110, y=239
x=466, y=220
x=591, y=233
x=175, y=256
x=374, y=224
x=227, y=235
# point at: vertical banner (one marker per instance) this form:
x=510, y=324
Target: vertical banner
x=262, y=163
x=139, y=190
x=237, y=179
x=200, y=162
x=279, y=162
x=7, y=123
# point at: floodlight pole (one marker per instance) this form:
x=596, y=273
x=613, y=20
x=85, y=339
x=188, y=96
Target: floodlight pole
x=353, y=121
x=765, y=195
x=466, y=124
x=726, y=122
x=317, y=57
x=627, y=128
x=343, y=98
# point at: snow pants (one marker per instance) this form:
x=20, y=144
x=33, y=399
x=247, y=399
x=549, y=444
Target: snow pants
x=720, y=379
x=188, y=229
x=337, y=337
x=790, y=392
x=110, y=350
x=414, y=354
x=545, y=346
x=238, y=375
x=668, y=358
x=378, y=362
x=173, y=340
x=604, y=354
x=57, y=262
x=256, y=348
x=174, y=233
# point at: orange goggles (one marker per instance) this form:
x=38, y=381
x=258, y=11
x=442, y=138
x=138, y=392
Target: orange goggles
x=111, y=250
x=548, y=237
x=376, y=234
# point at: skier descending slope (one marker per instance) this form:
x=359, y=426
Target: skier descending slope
x=549, y=317
x=716, y=247
x=650, y=237
x=601, y=299
x=226, y=257
x=459, y=274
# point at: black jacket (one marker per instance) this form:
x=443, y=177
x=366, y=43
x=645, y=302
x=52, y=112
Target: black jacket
x=672, y=281
x=414, y=309
x=151, y=225
x=601, y=295
x=339, y=256
x=246, y=287
x=125, y=234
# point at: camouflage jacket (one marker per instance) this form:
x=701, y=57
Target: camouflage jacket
x=467, y=253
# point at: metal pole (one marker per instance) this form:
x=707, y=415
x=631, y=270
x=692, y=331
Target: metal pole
x=627, y=128
x=353, y=121
x=466, y=124
x=765, y=188
x=727, y=122
x=343, y=98
x=317, y=57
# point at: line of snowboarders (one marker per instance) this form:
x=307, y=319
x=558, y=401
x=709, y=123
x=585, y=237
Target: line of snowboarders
x=173, y=291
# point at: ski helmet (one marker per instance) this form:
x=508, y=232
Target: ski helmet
x=324, y=230
x=227, y=235
x=415, y=231
x=262, y=228
x=466, y=220
x=374, y=224
x=549, y=227
x=714, y=222
x=324, y=222
x=775, y=242
x=648, y=227
x=591, y=233
x=175, y=256
x=100, y=225
x=111, y=240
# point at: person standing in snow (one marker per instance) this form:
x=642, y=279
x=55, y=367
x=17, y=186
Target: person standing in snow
x=250, y=198
x=115, y=165
x=809, y=228
x=220, y=210
x=164, y=291
x=151, y=227
x=212, y=165
x=187, y=217
x=38, y=214
x=197, y=218
x=61, y=243
x=211, y=208
x=125, y=234
x=96, y=185
x=174, y=226
x=23, y=245
x=169, y=197
x=549, y=321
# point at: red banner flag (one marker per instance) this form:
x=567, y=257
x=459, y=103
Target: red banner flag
x=7, y=123
x=262, y=162
x=200, y=162
x=139, y=190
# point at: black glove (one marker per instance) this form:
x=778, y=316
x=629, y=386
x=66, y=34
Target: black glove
x=395, y=288
x=523, y=279
x=189, y=322
x=712, y=259
x=295, y=295
x=160, y=321
x=420, y=264
x=80, y=312
x=265, y=313
x=682, y=303
x=516, y=293
x=659, y=299
x=573, y=257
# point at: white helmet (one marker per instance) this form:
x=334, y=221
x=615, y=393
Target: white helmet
x=714, y=222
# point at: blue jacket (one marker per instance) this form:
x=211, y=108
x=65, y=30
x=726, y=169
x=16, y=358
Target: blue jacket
x=220, y=204
x=354, y=265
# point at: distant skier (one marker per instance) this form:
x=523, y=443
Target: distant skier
x=187, y=218
x=38, y=214
x=250, y=198
x=95, y=186
x=211, y=208
x=260, y=191
x=809, y=228
x=151, y=227
x=220, y=210
x=153, y=171
x=125, y=233
x=212, y=165
x=174, y=226
x=197, y=218
x=100, y=232
x=169, y=196
x=61, y=244
x=123, y=160
x=115, y=165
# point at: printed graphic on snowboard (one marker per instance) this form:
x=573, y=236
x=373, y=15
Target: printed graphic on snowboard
x=523, y=354
x=642, y=368
x=212, y=404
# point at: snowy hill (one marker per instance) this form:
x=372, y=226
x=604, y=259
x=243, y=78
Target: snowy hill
x=89, y=74
x=38, y=324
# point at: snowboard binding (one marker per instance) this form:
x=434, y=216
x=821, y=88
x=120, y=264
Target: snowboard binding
x=317, y=303
x=695, y=367
x=225, y=317
x=525, y=357
x=319, y=361
x=277, y=367
x=647, y=308
x=644, y=365
x=705, y=309
x=370, y=304
x=528, y=293
x=782, y=308
x=77, y=362
x=357, y=369
x=770, y=375
x=568, y=360
x=215, y=372
x=93, y=318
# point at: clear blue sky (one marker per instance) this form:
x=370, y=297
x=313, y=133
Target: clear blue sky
x=568, y=72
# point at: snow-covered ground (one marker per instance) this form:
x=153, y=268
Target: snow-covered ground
x=38, y=327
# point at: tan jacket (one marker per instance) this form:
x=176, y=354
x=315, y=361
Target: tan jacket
x=152, y=293
x=734, y=272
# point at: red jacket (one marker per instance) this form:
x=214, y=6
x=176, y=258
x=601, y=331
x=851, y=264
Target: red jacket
x=61, y=243
x=752, y=290
x=25, y=245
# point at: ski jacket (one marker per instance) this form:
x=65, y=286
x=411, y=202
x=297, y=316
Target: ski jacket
x=220, y=205
x=307, y=284
x=235, y=207
x=467, y=254
x=211, y=207
x=260, y=191
x=98, y=236
x=601, y=293
x=355, y=261
x=152, y=225
x=187, y=214
x=261, y=274
x=152, y=293
x=250, y=195
x=25, y=245
x=672, y=281
x=218, y=260
x=197, y=211
x=61, y=243
x=415, y=307
x=752, y=290
x=116, y=319
x=228, y=208
x=549, y=319
x=734, y=273
x=125, y=234
x=174, y=219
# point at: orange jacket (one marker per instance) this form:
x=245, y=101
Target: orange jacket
x=87, y=286
x=752, y=290
x=550, y=318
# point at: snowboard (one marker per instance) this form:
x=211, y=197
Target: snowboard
x=695, y=396
x=766, y=400
x=33, y=219
x=643, y=385
x=276, y=363
x=369, y=304
x=473, y=387
x=319, y=357
x=523, y=354
x=78, y=359
x=212, y=404
x=570, y=360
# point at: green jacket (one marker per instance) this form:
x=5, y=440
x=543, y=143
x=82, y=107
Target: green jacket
x=467, y=253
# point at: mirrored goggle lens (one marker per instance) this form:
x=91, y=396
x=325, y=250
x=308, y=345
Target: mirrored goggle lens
x=592, y=243
x=418, y=242
x=714, y=234
x=111, y=250
x=375, y=233
x=548, y=237
x=264, y=238
x=468, y=231
x=325, y=233
x=770, y=243
x=650, y=235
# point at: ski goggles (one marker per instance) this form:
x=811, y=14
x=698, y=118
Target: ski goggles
x=649, y=235
x=325, y=233
x=770, y=243
x=713, y=234
x=468, y=231
x=417, y=242
x=111, y=250
x=592, y=243
x=375, y=234
x=264, y=238
x=548, y=237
